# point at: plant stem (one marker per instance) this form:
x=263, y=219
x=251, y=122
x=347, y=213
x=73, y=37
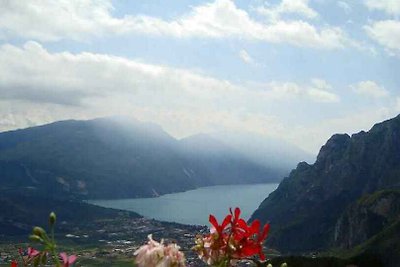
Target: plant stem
x=53, y=247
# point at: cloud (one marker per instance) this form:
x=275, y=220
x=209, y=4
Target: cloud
x=345, y=6
x=246, y=57
x=321, y=84
x=35, y=83
x=391, y=7
x=44, y=87
x=322, y=96
x=299, y=7
x=316, y=91
x=46, y=21
x=16, y=114
x=38, y=86
x=54, y=20
x=397, y=107
x=386, y=33
x=32, y=73
x=369, y=88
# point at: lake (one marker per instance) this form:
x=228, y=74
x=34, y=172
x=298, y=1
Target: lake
x=194, y=206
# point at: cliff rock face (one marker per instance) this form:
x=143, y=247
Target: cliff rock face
x=367, y=217
x=306, y=208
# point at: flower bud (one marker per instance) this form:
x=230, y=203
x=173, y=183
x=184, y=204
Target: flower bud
x=35, y=238
x=39, y=231
x=52, y=218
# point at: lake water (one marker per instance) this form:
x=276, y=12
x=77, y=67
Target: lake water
x=194, y=206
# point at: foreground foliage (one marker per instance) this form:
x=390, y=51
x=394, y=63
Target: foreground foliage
x=48, y=250
x=227, y=244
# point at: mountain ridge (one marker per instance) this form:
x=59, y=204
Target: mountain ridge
x=116, y=158
x=305, y=209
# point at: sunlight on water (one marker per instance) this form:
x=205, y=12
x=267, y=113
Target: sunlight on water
x=194, y=206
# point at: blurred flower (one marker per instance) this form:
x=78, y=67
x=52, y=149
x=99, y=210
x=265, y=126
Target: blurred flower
x=32, y=252
x=28, y=256
x=67, y=260
x=155, y=254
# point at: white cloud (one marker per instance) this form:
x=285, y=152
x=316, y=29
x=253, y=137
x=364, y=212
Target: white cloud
x=391, y=7
x=283, y=89
x=319, y=90
x=321, y=84
x=46, y=21
x=300, y=7
x=54, y=20
x=246, y=57
x=397, y=106
x=35, y=83
x=322, y=95
x=386, y=33
x=37, y=86
x=369, y=88
x=52, y=86
x=345, y=6
x=16, y=114
x=34, y=74
x=316, y=91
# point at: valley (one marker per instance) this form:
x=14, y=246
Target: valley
x=343, y=209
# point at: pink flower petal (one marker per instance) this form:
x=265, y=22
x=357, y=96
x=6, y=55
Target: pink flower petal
x=64, y=257
x=72, y=259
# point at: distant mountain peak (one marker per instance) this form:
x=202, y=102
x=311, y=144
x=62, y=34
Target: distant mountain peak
x=335, y=145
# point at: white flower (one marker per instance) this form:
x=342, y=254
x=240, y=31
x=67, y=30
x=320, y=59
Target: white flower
x=155, y=254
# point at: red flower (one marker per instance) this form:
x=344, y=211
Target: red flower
x=14, y=264
x=239, y=226
x=219, y=228
x=234, y=239
x=253, y=244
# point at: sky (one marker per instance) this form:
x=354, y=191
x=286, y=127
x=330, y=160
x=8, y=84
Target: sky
x=298, y=70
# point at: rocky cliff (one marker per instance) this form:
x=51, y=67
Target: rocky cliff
x=316, y=208
x=367, y=217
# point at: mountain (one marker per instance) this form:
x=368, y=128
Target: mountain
x=114, y=158
x=365, y=218
x=223, y=163
x=346, y=199
x=273, y=153
x=101, y=158
x=371, y=226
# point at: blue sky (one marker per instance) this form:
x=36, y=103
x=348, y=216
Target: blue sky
x=300, y=70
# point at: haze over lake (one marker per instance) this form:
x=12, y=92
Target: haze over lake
x=194, y=206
